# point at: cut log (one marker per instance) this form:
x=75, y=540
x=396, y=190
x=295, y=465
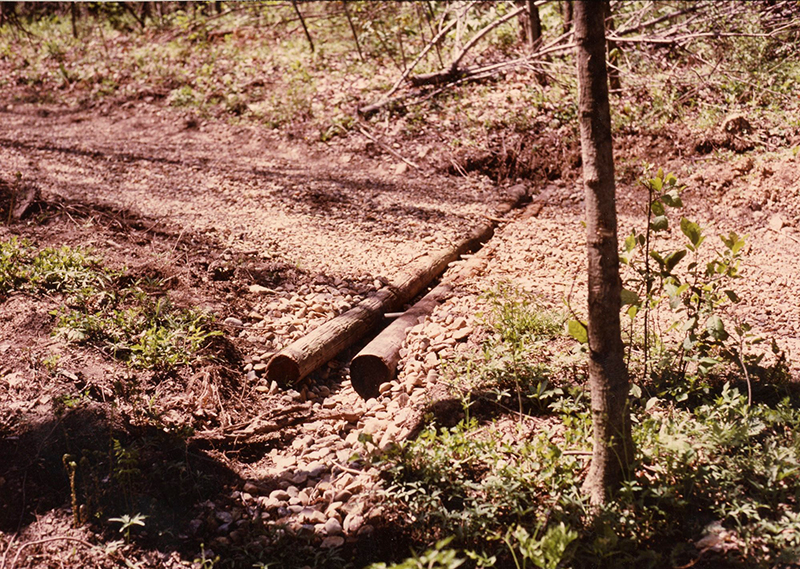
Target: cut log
x=323, y=344
x=377, y=362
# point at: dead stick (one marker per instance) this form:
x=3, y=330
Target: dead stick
x=422, y=54
x=483, y=32
x=388, y=149
x=48, y=540
x=352, y=29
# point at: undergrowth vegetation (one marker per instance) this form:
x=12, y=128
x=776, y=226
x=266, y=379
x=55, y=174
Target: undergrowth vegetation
x=131, y=321
x=252, y=62
x=717, y=468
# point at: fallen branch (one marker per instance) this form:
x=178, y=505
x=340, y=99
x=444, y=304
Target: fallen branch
x=452, y=73
x=687, y=38
x=48, y=540
x=346, y=469
x=422, y=54
x=477, y=37
x=473, y=74
x=660, y=19
x=387, y=148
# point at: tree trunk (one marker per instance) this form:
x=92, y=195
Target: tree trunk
x=608, y=376
x=530, y=25
x=566, y=15
x=614, y=82
x=73, y=18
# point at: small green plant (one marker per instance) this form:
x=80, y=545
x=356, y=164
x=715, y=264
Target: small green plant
x=151, y=335
x=127, y=321
x=50, y=363
x=66, y=401
x=695, y=296
x=517, y=317
x=128, y=523
x=438, y=557
x=205, y=561
x=546, y=552
x=125, y=469
x=520, y=327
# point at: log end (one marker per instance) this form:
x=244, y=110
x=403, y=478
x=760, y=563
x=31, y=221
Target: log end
x=367, y=373
x=283, y=370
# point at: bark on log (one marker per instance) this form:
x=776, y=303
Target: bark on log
x=438, y=77
x=305, y=355
x=377, y=362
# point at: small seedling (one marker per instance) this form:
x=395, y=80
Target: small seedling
x=128, y=522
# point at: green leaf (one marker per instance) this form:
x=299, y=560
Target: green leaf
x=657, y=207
x=657, y=183
x=629, y=297
x=716, y=328
x=659, y=223
x=672, y=198
x=630, y=243
x=657, y=256
x=732, y=296
x=671, y=179
x=733, y=242
x=633, y=310
x=578, y=331
x=692, y=231
x=673, y=259
x=705, y=365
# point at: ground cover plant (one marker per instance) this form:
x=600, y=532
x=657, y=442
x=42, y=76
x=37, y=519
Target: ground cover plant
x=124, y=320
x=716, y=469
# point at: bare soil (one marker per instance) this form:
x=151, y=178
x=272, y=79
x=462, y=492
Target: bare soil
x=282, y=236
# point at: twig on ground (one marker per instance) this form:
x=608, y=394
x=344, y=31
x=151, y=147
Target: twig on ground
x=387, y=148
x=346, y=469
x=8, y=548
x=792, y=237
x=48, y=540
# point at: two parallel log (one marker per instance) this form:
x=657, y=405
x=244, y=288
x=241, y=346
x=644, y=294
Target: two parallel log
x=324, y=343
